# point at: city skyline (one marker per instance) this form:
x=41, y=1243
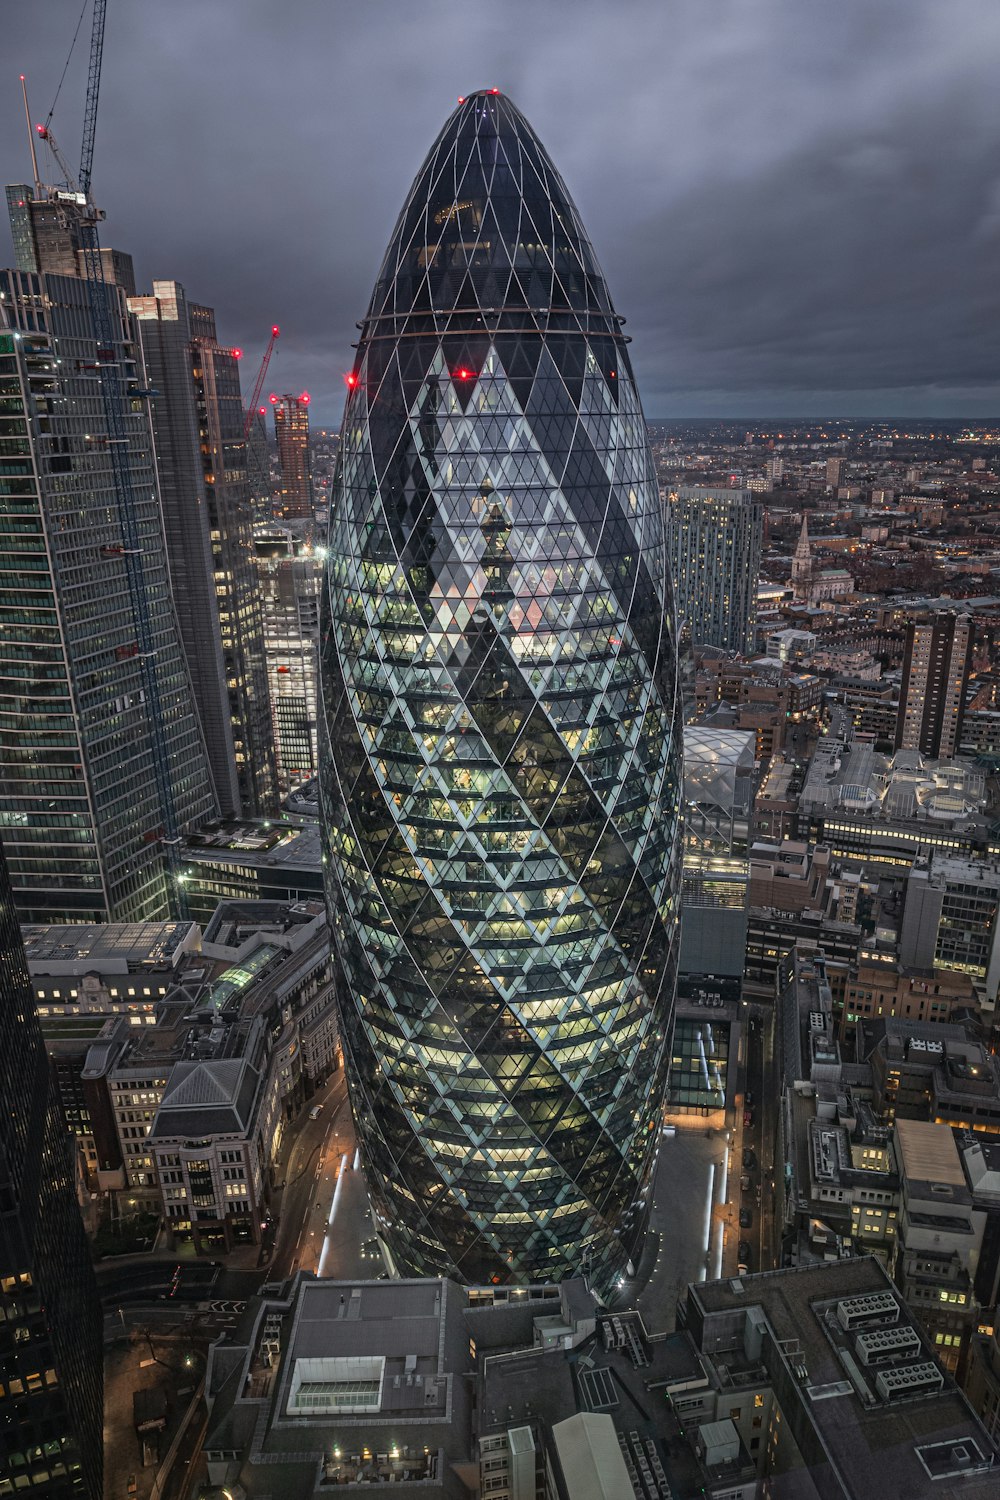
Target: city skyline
x=763, y=194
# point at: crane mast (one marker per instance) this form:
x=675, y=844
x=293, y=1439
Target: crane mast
x=251, y=411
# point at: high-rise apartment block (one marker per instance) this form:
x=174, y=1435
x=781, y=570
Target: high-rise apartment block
x=51, y=1332
x=715, y=539
x=936, y=661
x=202, y=460
x=500, y=738
x=291, y=431
x=82, y=815
x=290, y=579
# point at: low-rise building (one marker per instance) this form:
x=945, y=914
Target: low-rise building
x=836, y=1387
x=200, y=1098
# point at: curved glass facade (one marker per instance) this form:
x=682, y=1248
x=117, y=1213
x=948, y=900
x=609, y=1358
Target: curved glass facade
x=500, y=745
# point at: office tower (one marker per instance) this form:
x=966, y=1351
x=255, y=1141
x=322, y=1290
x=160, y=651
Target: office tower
x=290, y=579
x=81, y=812
x=291, y=431
x=714, y=545
x=936, y=661
x=51, y=1332
x=202, y=461
x=719, y=783
x=950, y=918
x=499, y=740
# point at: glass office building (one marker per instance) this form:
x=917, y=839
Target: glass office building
x=81, y=815
x=500, y=742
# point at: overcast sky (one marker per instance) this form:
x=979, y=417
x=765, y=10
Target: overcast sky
x=796, y=202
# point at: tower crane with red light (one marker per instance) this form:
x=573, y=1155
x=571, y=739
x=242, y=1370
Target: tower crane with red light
x=253, y=409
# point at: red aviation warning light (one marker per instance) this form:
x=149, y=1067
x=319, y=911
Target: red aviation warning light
x=273, y=399
x=304, y=398
x=463, y=374
x=275, y=330
x=350, y=380
x=237, y=353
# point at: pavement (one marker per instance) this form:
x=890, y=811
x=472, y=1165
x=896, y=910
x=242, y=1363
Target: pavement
x=688, y=1221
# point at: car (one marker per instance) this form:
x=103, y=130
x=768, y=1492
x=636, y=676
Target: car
x=746, y=1218
x=749, y=1160
x=745, y=1182
x=316, y=1111
x=748, y=1098
x=744, y=1252
x=747, y=1118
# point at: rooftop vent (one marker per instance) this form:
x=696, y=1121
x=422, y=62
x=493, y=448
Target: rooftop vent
x=876, y=1307
x=909, y=1380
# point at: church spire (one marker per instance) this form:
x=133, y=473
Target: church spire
x=802, y=563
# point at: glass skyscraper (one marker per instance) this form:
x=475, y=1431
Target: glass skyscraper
x=81, y=817
x=51, y=1327
x=500, y=740
x=208, y=522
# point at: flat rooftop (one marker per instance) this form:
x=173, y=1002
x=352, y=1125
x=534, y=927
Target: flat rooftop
x=252, y=844
x=872, y=1448
x=107, y=948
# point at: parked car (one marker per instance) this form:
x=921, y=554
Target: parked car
x=746, y=1218
x=745, y=1182
x=747, y=1118
x=744, y=1252
x=749, y=1160
x=748, y=1098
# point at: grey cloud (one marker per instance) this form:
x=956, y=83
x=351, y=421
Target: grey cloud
x=795, y=202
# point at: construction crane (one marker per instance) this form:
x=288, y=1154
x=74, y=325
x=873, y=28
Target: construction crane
x=116, y=407
x=257, y=451
x=45, y=134
x=251, y=411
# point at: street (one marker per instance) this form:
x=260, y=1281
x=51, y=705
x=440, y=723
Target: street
x=322, y=1210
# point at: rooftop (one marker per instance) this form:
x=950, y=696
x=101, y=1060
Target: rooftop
x=928, y=1153
x=886, y=1425
x=108, y=948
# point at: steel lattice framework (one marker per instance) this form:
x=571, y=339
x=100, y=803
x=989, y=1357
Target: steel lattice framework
x=501, y=741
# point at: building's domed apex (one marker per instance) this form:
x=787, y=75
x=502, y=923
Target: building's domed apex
x=489, y=224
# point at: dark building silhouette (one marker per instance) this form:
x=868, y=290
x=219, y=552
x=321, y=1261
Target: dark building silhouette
x=51, y=1332
x=500, y=742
